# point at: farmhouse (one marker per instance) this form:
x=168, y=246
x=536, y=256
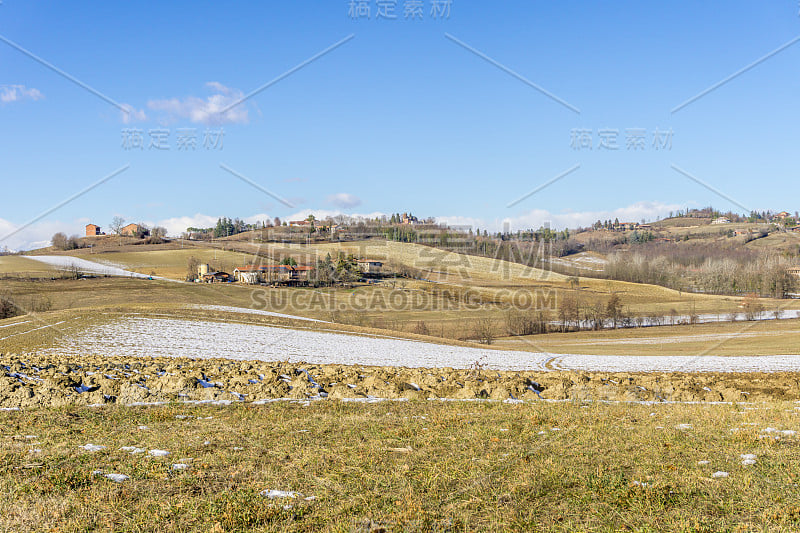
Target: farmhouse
x=93, y=230
x=130, y=229
x=299, y=223
x=370, y=267
x=248, y=274
x=273, y=274
x=795, y=271
x=408, y=219
x=721, y=220
x=783, y=215
x=215, y=277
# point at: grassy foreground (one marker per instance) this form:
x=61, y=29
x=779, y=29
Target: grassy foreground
x=403, y=466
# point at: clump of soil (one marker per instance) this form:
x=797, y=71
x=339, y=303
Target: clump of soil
x=48, y=381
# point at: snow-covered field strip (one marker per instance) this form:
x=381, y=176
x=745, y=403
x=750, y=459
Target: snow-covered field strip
x=14, y=324
x=32, y=330
x=144, y=337
x=245, y=310
x=157, y=337
x=708, y=318
x=682, y=338
x=66, y=262
x=681, y=363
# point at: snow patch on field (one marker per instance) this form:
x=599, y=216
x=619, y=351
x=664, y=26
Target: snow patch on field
x=158, y=337
x=92, y=447
x=161, y=337
x=245, y=310
x=582, y=261
x=66, y=262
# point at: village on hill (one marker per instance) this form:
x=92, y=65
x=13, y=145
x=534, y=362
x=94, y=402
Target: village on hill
x=568, y=251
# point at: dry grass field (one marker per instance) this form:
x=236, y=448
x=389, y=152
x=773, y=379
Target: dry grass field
x=777, y=241
x=173, y=263
x=19, y=265
x=496, y=277
x=458, y=292
x=402, y=466
x=447, y=311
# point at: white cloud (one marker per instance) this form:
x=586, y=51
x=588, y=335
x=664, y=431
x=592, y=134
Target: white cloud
x=538, y=217
x=177, y=225
x=14, y=93
x=322, y=214
x=261, y=217
x=131, y=114
x=36, y=235
x=344, y=200
x=217, y=86
x=208, y=110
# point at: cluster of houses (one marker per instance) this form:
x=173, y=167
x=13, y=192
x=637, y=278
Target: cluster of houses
x=783, y=216
x=291, y=275
x=629, y=226
x=131, y=230
x=407, y=219
x=321, y=225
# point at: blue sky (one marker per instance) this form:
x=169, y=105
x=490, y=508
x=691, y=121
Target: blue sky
x=398, y=118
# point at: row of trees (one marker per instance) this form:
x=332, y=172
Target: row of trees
x=766, y=275
x=60, y=241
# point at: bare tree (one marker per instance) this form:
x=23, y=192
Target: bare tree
x=157, y=235
x=192, y=265
x=8, y=308
x=752, y=307
x=568, y=311
x=421, y=328
x=484, y=330
x=142, y=231
x=59, y=240
x=117, y=223
x=613, y=309
x=73, y=272
x=62, y=242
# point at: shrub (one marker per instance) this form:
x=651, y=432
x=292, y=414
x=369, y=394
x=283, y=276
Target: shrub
x=484, y=330
x=7, y=307
x=420, y=328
